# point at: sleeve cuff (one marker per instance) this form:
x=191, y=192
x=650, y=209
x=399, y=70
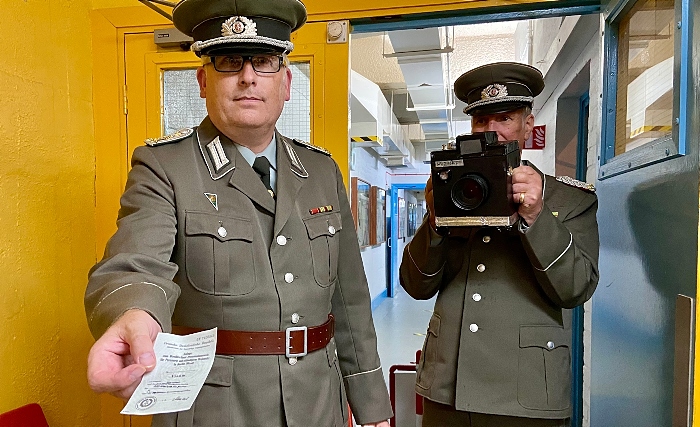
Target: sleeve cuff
x=368, y=396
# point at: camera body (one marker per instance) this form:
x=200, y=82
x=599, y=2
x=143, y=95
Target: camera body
x=472, y=181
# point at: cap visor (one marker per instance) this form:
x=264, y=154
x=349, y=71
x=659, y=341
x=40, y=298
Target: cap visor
x=496, y=108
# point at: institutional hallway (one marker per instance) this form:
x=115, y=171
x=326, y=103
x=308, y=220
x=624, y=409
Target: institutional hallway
x=401, y=323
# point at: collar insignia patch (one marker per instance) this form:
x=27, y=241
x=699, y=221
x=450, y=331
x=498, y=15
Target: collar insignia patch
x=217, y=153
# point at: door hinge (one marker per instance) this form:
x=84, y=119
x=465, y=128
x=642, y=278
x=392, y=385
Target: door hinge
x=126, y=102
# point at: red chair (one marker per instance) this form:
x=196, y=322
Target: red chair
x=26, y=416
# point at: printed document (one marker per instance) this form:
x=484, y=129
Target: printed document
x=183, y=363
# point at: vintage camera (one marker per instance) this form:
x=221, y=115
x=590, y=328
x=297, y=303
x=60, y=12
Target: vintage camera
x=472, y=181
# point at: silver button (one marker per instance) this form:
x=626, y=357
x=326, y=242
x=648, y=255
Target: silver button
x=473, y=327
x=476, y=297
x=222, y=232
x=486, y=239
x=292, y=361
x=295, y=318
x=288, y=277
x=331, y=230
x=281, y=240
x=550, y=345
x=481, y=268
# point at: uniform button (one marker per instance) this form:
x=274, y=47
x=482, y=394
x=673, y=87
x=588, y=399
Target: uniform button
x=281, y=240
x=289, y=277
x=222, y=232
x=292, y=361
x=481, y=268
x=550, y=345
x=476, y=297
x=295, y=318
x=331, y=230
x=486, y=239
x=473, y=327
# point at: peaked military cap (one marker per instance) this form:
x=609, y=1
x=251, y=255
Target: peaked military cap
x=499, y=87
x=238, y=26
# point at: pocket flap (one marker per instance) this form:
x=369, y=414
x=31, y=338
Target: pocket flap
x=546, y=337
x=220, y=227
x=221, y=372
x=320, y=225
x=434, y=325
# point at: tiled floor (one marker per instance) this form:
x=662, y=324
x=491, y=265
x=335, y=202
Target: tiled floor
x=401, y=323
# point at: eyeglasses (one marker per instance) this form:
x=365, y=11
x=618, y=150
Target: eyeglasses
x=234, y=63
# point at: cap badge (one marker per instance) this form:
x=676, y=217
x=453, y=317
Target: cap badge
x=494, y=91
x=239, y=26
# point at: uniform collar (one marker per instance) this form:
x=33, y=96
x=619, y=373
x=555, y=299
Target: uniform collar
x=215, y=149
x=270, y=152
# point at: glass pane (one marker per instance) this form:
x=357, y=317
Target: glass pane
x=363, y=212
x=295, y=121
x=182, y=106
x=645, y=79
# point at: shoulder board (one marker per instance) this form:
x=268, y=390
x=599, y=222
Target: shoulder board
x=167, y=139
x=576, y=183
x=311, y=146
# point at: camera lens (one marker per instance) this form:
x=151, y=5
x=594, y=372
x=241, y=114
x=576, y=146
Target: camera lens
x=469, y=192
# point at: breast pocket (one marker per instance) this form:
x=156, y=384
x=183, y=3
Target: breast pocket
x=219, y=254
x=323, y=237
x=544, y=368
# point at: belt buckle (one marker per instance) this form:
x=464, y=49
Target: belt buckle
x=288, y=340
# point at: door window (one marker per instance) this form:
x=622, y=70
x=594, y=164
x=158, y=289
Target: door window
x=182, y=106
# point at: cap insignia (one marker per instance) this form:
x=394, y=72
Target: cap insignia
x=576, y=183
x=173, y=137
x=239, y=26
x=494, y=91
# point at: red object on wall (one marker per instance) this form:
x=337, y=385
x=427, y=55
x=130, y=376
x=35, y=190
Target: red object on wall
x=537, y=139
x=27, y=416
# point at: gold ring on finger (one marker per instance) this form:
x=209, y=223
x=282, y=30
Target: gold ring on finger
x=522, y=198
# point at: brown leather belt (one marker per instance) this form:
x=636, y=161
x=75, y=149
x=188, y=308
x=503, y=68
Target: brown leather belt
x=295, y=341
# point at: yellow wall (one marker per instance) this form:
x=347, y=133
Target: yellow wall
x=46, y=208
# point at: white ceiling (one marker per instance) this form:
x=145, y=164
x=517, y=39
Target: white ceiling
x=417, y=68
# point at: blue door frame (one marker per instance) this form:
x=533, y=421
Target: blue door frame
x=577, y=314
x=393, y=267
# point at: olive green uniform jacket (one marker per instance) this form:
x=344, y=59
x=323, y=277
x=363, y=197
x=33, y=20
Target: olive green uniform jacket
x=499, y=339
x=170, y=258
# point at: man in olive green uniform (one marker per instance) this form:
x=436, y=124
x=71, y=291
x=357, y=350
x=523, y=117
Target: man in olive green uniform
x=497, y=350
x=232, y=225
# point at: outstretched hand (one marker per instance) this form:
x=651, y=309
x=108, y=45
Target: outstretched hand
x=123, y=354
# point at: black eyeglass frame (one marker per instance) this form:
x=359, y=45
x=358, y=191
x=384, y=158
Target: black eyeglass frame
x=248, y=58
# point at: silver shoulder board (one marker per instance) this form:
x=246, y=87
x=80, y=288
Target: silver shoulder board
x=167, y=139
x=311, y=146
x=576, y=183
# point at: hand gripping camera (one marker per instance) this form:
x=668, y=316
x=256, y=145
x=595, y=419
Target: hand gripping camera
x=472, y=181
